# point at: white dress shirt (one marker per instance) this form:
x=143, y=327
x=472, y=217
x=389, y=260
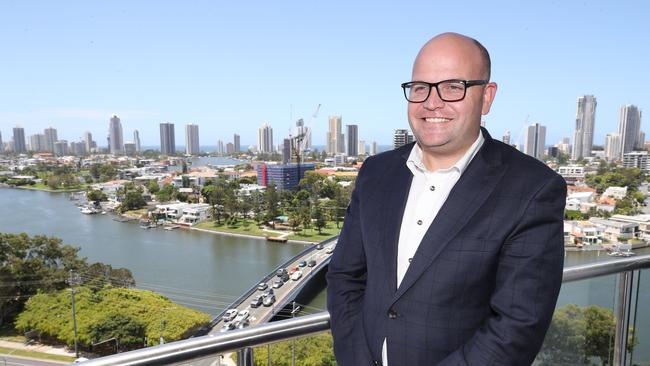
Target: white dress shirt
x=429, y=191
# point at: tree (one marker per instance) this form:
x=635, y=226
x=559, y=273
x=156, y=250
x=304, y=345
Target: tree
x=319, y=217
x=153, y=187
x=39, y=264
x=167, y=193
x=133, y=201
x=309, y=351
x=127, y=330
x=215, y=196
x=128, y=314
x=271, y=200
x=96, y=196
x=579, y=333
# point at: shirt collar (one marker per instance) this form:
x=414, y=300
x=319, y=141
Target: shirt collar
x=415, y=163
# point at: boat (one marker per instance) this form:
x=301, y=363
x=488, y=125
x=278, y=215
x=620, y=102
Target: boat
x=88, y=210
x=277, y=239
x=147, y=224
x=171, y=227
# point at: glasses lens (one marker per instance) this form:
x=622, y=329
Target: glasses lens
x=451, y=90
x=416, y=92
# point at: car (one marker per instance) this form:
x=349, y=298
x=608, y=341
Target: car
x=243, y=315
x=302, y=264
x=228, y=326
x=278, y=284
x=311, y=263
x=78, y=360
x=257, y=301
x=293, y=270
x=319, y=246
x=243, y=324
x=269, y=300
x=268, y=292
x=296, y=275
x=285, y=277
x=329, y=250
x=281, y=272
x=262, y=286
x=229, y=315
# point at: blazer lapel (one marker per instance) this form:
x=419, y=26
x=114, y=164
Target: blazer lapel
x=467, y=196
x=396, y=191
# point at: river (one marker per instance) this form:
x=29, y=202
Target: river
x=208, y=271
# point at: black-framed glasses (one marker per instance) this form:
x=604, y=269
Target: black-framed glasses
x=448, y=90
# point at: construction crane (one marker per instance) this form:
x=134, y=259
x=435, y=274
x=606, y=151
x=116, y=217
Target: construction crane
x=299, y=142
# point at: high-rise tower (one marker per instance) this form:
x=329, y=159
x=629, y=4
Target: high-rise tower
x=352, y=139
x=192, y=139
x=583, y=137
x=335, y=143
x=50, y=138
x=19, y=140
x=116, y=140
x=136, y=140
x=265, y=139
x=629, y=126
x=534, y=140
x=167, y=139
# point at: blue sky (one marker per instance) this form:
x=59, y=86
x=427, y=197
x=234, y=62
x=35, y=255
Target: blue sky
x=231, y=66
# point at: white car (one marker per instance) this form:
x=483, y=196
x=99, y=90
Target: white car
x=243, y=315
x=329, y=250
x=296, y=275
x=229, y=315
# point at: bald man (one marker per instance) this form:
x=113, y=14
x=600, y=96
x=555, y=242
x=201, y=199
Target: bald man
x=452, y=248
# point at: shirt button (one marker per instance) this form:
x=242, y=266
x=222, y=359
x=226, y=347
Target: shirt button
x=432, y=188
x=419, y=222
x=392, y=314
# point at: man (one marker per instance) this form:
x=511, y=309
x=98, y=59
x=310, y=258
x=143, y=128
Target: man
x=452, y=248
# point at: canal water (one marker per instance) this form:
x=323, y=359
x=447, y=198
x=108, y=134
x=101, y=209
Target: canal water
x=209, y=271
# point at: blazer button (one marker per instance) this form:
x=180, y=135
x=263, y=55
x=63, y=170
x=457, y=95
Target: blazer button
x=392, y=314
x=376, y=363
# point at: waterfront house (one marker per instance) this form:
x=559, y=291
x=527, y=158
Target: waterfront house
x=642, y=220
x=617, y=230
x=581, y=233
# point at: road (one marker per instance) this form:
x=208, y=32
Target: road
x=19, y=361
x=262, y=313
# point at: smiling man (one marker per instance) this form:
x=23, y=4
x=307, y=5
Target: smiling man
x=452, y=248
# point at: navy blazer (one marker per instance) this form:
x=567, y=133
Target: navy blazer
x=483, y=283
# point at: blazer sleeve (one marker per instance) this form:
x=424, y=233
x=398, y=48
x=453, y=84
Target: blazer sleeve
x=346, y=283
x=528, y=280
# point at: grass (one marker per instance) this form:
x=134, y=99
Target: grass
x=8, y=333
x=40, y=355
x=44, y=187
x=136, y=213
x=249, y=227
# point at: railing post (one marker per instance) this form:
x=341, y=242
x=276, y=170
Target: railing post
x=623, y=304
x=245, y=356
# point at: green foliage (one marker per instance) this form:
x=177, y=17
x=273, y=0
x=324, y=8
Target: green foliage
x=309, y=351
x=133, y=201
x=167, y=193
x=29, y=265
x=96, y=196
x=574, y=215
x=103, y=172
x=153, y=187
x=615, y=177
x=578, y=334
x=109, y=312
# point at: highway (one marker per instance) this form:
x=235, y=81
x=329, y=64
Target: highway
x=284, y=294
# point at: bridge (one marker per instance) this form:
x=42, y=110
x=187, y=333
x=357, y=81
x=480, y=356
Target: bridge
x=284, y=295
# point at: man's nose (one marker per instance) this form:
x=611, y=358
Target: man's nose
x=434, y=101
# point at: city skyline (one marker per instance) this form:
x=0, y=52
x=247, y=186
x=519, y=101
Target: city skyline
x=196, y=50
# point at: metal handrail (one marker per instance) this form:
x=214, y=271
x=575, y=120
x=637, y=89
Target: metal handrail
x=212, y=345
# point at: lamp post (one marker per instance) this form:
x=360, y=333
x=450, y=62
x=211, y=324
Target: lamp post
x=74, y=280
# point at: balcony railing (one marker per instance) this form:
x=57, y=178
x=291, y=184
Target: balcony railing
x=242, y=340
